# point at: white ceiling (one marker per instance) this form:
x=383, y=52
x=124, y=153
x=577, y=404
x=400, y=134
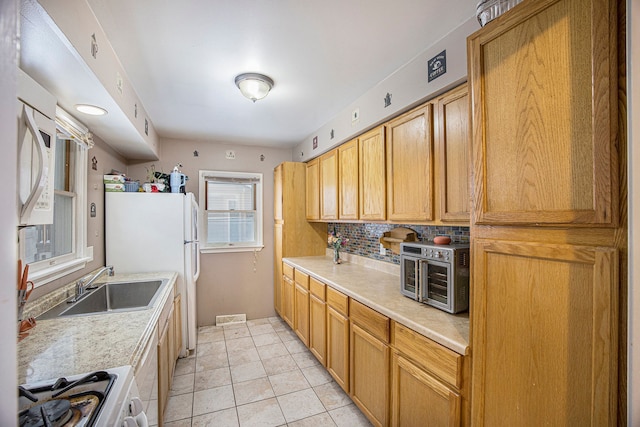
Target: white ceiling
x=182, y=58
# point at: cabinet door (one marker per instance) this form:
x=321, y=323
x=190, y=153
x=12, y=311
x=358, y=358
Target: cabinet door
x=277, y=192
x=372, y=179
x=301, y=315
x=369, y=368
x=453, y=153
x=409, y=166
x=277, y=267
x=287, y=300
x=348, y=180
x=313, y=190
x=177, y=325
x=338, y=347
x=544, y=334
x=419, y=399
x=318, y=329
x=329, y=185
x=164, y=369
x=544, y=115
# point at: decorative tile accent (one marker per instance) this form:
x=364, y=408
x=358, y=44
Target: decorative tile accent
x=364, y=237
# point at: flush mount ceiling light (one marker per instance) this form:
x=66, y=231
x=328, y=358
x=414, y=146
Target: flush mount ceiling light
x=254, y=86
x=90, y=109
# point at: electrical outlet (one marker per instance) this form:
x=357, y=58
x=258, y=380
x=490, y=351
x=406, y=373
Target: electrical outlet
x=383, y=250
x=230, y=155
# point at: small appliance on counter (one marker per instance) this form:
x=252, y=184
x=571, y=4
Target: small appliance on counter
x=437, y=275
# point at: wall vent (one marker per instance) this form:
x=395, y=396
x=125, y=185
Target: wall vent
x=231, y=319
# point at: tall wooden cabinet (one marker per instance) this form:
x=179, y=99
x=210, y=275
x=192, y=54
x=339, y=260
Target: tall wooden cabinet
x=293, y=234
x=548, y=216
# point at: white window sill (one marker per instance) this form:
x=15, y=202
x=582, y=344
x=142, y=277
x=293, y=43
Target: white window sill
x=54, y=272
x=227, y=249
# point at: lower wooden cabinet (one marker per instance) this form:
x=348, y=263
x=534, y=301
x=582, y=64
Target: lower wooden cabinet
x=318, y=320
x=396, y=376
x=338, y=337
x=369, y=362
x=369, y=367
x=287, y=300
x=301, y=313
x=166, y=363
x=419, y=399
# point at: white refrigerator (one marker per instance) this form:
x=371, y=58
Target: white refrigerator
x=154, y=232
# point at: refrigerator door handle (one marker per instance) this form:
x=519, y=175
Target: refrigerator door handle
x=197, y=260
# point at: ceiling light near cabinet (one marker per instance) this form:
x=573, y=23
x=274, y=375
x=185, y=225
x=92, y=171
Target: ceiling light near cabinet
x=254, y=86
x=90, y=109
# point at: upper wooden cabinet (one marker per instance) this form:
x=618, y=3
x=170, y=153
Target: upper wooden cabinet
x=329, y=185
x=409, y=166
x=313, y=190
x=544, y=91
x=453, y=145
x=348, y=180
x=372, y=171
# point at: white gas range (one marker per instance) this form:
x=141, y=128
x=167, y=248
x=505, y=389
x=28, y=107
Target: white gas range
x=101, y=398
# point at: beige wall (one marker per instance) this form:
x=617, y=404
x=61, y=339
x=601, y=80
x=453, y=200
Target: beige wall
x=232, y=283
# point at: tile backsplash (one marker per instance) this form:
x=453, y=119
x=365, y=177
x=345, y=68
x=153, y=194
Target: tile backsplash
x=364, y=238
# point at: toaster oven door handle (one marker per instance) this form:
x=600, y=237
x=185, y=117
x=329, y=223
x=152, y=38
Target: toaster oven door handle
x=41, y=151
x=421, y=271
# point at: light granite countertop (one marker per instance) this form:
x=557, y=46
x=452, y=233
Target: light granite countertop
x=380, y=291
x=80, y=344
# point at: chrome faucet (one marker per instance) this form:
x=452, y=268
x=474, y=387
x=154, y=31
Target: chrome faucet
x=84, y=283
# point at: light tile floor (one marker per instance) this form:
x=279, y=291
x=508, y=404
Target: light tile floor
x=256, y=374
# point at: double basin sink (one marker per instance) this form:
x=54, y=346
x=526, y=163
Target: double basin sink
x=109, y=298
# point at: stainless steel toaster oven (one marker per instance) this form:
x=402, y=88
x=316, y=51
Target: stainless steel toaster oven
x=437, y=275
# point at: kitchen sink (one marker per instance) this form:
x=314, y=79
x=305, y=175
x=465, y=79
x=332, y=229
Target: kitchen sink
x=110, y=297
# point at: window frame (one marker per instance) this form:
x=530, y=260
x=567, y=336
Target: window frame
x=48, y=270
x=204, y=176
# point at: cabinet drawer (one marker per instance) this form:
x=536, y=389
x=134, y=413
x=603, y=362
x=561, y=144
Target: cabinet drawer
x=317, y=288
x=301, y=279
x=338, y=300
x=370, y=320
x=433, y=357
x=287, y=270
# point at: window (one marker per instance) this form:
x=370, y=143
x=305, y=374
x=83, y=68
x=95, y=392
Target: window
x=231, y=204
x=55, y=250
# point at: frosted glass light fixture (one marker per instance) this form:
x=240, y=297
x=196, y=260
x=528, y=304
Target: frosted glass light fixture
x=254, y=86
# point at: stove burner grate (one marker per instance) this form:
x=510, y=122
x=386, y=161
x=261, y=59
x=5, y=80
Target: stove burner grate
x=64, y=412
x=53, y=413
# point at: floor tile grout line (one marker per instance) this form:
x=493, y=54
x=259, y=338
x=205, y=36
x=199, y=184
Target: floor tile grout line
x=298, y=368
